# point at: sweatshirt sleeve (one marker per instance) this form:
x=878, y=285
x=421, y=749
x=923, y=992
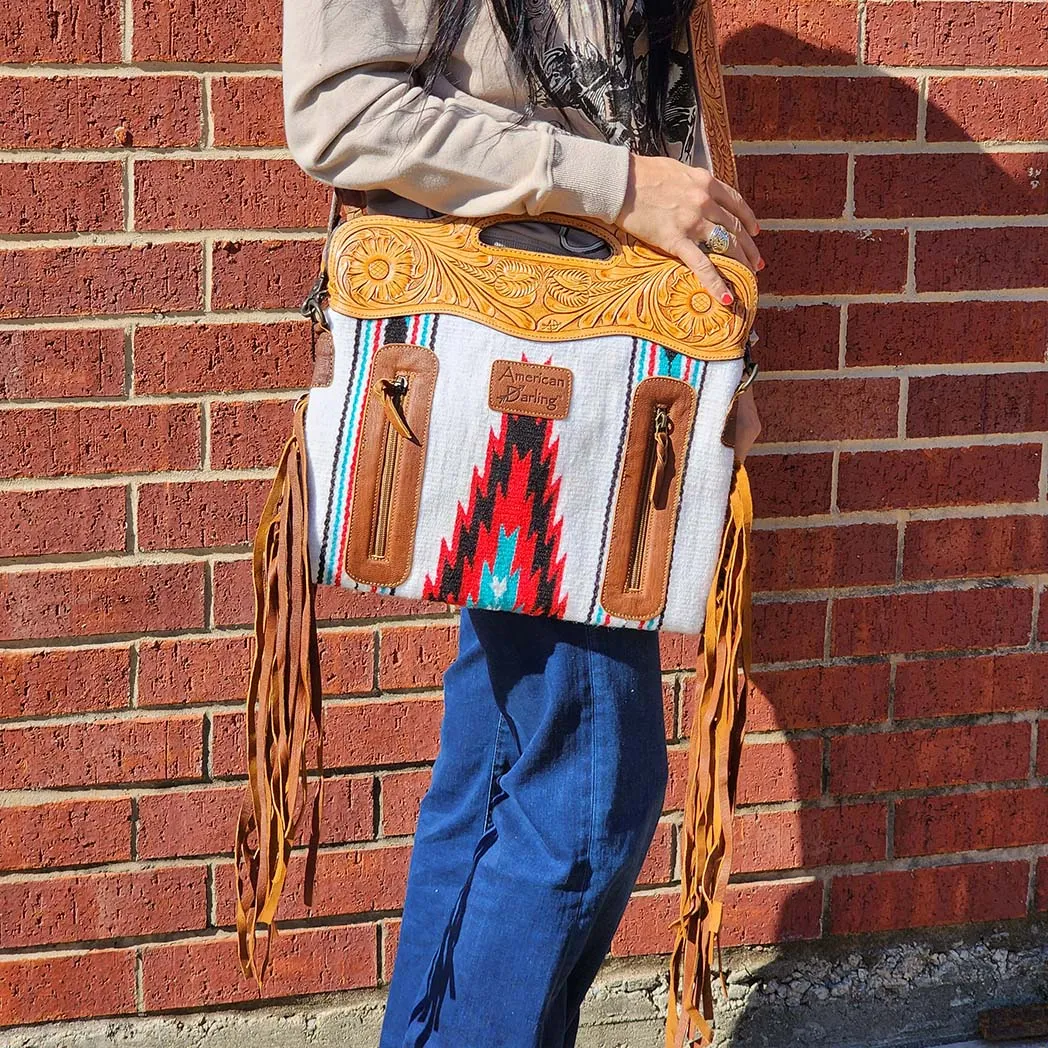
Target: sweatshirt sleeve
x=354, y=119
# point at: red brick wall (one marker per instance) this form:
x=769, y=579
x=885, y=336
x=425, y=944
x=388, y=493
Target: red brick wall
x=156, y=241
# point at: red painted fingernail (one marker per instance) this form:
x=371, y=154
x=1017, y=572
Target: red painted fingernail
x=760, y=264
x=727, y=299
x=757, y=226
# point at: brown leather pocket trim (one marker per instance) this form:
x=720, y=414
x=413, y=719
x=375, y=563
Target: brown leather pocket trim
x=636, y=575
x=387, y=481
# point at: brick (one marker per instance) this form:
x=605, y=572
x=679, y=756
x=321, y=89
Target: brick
x=819, y=697
x=938, y=476
x=83, y=112
x=770, y=108
x=65, y=833
x=226, y=194
x=51, y=364
x=242, y=31
x=809, y=558
x=215, y=669
x=958, y=33
x=200, y=514
x=919, y=759
x=71, y=520
x=945, y=405
x=219, y=358
x=84, y=602
x=39, y=988
x=986, y=108
x=796, y=185
x=312, y=960
x=201, y=822
x=64, y=680
x=1042, y=748
x=833, y=262
x=798, y=338
x=87, y=906
x=791, y=485
x=348, y=882
x=263, y=274
x=975, y=546
x=930, y=184
x=940, y=621
x=94, y=281
x=780, y=771
x=809, y=837
x=193, y=671
x=247, y=111
x=100, y=753
x=946, y=332
x=769, y=772
x=64, y=197
x=970, y=821
x=356, y=735
x=658, y=863
x=402, y=793
x=936, y=895
x=415, y=656
x=982, y=258
x=773, y=32
x=1040, y=902
x=985, y=684
x=787, y=631
x=828, y=409
x=1042, y=616
x=390, y=941
x=249, y=434
x=87, y=441
x=754, y=913
x=61, y=31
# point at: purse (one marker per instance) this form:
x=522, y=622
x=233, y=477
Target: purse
x=521, y=431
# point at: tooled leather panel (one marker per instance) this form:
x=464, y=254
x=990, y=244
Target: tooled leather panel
x=392, y=265
x=420, y=366
x=631, y=499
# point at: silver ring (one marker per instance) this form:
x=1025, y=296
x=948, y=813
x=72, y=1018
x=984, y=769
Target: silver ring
x=719, y=239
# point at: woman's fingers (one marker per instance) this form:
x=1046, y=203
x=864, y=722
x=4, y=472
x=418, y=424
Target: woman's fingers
x=731, y=200
x=697, y=261
x=742, y=247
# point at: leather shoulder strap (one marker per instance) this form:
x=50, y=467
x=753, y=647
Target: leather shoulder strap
x=709, y=83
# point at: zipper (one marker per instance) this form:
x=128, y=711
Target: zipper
x=393, y=394
x=654, y=471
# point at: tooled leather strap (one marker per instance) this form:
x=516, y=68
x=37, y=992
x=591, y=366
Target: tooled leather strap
x=709, y=81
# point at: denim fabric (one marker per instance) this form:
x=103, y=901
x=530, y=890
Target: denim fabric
x=544, y=798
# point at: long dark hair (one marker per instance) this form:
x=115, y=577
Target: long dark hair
x=663, y=20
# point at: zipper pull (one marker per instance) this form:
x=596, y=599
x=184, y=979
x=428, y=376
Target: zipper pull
x=662, y=442
x=393, y=392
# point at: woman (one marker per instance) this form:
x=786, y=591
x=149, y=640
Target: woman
x=552, y=766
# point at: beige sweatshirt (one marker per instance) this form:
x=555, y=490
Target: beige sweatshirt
x=354, y=119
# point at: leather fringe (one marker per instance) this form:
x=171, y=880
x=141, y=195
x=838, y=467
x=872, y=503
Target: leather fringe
x=723, y=686
x=283, y=698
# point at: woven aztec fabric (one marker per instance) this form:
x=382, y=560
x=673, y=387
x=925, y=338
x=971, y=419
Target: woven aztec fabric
x=528, y=523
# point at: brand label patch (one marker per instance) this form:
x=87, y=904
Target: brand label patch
x=538, y=390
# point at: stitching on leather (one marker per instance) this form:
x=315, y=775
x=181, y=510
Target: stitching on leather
x=417, y=493
x=682, y=391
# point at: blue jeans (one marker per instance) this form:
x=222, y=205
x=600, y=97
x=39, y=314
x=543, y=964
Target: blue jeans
x=544, y=799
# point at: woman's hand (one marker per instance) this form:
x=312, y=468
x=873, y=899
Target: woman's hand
x=674, y=207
